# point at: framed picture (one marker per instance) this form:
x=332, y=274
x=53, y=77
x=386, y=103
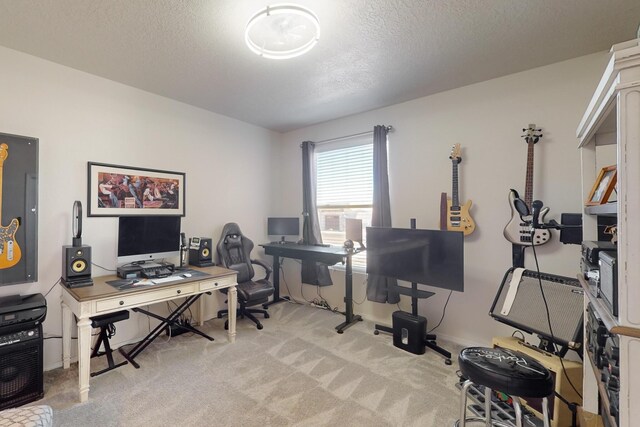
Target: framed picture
x=115, y=190
x=604, y=185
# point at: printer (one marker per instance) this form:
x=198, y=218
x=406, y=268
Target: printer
x=20, y=309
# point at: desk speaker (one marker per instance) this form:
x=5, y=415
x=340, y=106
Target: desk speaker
x=76, y=266
x=203, y=255
x=560, y=413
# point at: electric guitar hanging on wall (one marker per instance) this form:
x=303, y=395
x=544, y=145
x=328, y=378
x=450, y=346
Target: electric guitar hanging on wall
x=9, y=250
x=518, y=230
x=458, y=217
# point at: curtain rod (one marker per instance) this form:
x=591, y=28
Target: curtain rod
x=340, y=138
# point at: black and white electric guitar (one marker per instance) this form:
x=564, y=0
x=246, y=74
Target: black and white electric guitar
x=518, y=230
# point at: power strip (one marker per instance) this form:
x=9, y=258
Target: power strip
x=324, y=307
x=174, y=331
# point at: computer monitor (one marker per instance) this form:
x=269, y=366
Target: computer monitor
x=146, y=238
x=283, y=227
x=353, y=229
x=430, y=257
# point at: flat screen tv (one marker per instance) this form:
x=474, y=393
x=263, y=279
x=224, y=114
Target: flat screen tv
x=146, y=238
x=283, y=227
x=429, y=257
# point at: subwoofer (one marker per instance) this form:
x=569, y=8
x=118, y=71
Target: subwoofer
x=21, y=366
x=76, y=266
x=409, y=332
x=200, y=252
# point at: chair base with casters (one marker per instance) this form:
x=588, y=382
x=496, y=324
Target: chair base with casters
x=258, y=293
x=507, y=371
x=105, y=323
x=243, y=312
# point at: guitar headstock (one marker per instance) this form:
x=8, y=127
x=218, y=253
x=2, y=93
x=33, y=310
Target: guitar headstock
x=455, y=153
x=3, y=152
x=531, y=134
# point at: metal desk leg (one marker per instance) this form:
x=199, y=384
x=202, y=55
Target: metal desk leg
x=276, y=284
x=350, y=319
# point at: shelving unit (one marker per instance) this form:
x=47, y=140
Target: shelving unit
x=612, y=118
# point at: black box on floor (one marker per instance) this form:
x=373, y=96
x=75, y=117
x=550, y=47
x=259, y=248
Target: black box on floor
x=409, y=332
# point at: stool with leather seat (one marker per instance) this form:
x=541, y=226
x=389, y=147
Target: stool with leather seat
x=234, y=250
x=507, y=371
x=107, y=330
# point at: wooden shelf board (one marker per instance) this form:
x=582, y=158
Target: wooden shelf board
x=606, y=209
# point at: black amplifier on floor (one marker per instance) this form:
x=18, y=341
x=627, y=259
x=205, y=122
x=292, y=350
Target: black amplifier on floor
x=409, y=332
x=21, y=349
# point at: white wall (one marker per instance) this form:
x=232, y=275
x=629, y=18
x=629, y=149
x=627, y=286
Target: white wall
x=78, y=118
x=487, y=119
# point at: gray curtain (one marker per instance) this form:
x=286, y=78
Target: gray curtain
x=313, y=273
x=381, y=289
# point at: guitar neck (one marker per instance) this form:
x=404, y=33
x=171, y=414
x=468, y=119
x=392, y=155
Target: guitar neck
x=528, y=189
x=454, y=183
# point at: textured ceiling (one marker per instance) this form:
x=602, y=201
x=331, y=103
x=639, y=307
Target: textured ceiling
x=372, y=53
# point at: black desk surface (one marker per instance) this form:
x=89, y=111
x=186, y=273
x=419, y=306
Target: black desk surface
x=324, y=254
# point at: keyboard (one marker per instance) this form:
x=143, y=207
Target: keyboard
x=166, y=279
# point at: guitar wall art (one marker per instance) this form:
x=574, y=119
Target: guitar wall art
x=18, y=209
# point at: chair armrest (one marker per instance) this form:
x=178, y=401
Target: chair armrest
x=267, y=269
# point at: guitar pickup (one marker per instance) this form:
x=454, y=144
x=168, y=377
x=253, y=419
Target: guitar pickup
x=455, y=218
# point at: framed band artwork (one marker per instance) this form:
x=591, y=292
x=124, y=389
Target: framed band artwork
x=127, y=191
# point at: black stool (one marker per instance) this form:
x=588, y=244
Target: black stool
x=107, y=330
x=508, y=371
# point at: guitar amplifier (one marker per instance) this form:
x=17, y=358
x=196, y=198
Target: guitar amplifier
x=559, y=412
x=519, y=303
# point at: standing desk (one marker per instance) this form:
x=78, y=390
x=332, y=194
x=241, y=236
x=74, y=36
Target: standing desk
x=329, y=255
x=102, y=298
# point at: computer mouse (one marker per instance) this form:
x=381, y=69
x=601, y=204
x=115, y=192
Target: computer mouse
x=186, y=275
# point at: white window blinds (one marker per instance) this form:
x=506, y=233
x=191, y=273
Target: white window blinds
x=344, y=189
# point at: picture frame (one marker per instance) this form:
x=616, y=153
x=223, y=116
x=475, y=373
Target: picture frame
x=604, y=185
x=115, y=190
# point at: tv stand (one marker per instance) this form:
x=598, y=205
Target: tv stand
x=415, y=293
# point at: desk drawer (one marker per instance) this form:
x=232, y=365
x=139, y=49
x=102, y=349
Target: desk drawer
x=217, y=283
x=144, y=298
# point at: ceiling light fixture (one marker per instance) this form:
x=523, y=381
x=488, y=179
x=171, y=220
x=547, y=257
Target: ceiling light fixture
x=282, y=31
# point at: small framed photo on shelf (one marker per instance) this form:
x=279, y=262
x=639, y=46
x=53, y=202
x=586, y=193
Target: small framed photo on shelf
x=602, y=188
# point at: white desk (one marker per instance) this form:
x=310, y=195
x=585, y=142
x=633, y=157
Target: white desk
x=102, y=298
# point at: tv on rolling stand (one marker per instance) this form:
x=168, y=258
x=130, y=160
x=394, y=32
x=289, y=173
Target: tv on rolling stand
x=419, y=256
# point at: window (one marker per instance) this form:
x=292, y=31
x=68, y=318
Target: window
x=344, y=188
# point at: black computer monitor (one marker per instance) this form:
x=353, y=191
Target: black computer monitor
x=283, y=227
x=146, y=238
x=430, y=257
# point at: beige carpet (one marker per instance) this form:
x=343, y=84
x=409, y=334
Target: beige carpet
x=297, y=371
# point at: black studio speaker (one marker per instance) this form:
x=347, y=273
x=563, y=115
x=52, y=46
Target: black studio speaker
x=573, y=233
x=200, y=252
x=76, y=266
x=76, y=258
